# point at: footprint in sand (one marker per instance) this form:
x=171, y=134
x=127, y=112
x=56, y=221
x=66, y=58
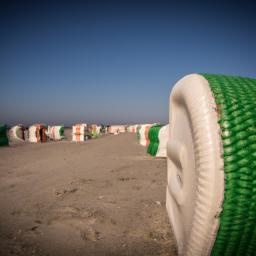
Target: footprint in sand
x=126, y=178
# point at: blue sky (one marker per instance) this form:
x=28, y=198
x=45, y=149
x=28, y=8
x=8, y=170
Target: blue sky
x=114, y=61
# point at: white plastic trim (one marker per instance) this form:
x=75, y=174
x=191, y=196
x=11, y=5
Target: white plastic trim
x=32, y=134
x=78, y=137
x=79, y=129
x=14, y=130
x=116, y=129
x=163, y=139
x=143, y=140
x=195, y=173
x=54, y=132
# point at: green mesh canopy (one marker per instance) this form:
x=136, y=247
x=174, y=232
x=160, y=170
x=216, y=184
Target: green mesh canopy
x=236, y=104
x=3, y=135
x=153, y=138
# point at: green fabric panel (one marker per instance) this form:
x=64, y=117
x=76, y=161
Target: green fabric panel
x=236, y=102
x=138, y=132
x=153, y=138
x=3, y=135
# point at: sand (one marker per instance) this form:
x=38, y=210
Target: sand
x=101, y=197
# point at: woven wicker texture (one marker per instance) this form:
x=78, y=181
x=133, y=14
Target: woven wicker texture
x=153, y=138
x=61, y=131
x=236, y=102
x=3, y=135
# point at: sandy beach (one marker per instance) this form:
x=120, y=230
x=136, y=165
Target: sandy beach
x=101, y=197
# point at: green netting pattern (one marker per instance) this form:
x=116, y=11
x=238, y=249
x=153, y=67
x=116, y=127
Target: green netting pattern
x=236, y=102
x=3, y=135
x=153, y=138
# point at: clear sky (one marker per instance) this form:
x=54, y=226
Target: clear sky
x=114, y=61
